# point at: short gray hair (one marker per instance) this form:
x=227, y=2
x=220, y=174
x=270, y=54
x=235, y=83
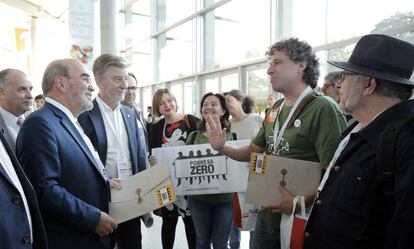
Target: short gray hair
x=4, y=81
x=333, y=77
x=103, y=62
x=54, y=69
x=394, y=90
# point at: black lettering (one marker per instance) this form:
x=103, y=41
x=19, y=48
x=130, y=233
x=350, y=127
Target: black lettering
x=193, y=170
x=211, y=168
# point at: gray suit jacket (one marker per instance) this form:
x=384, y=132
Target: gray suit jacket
x=5, y=131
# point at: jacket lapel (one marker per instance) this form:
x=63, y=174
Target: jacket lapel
x=129, y=121
x=6, y=133
x=100, y=132
x=69, y=126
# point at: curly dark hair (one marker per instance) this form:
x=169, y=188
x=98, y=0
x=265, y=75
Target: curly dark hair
x=299, y=51
x=224, y=120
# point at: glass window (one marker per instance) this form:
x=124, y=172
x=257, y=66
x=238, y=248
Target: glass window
x=189, y=91
x=211, y=85
x=175, y=49
x=177, y=91
x=140, y=31
x=259, y=87
x=169, y=11
x=240, y=32
x=147, y=99
x=320, y=22
x=141, y=67
x=142, y=7
x=229, y=82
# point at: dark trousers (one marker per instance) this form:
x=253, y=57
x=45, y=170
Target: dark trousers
x=128, y=234
x=168, y=232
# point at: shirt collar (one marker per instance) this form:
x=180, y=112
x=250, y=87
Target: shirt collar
x=9, y=117
x=105, y=107
x=62, y=108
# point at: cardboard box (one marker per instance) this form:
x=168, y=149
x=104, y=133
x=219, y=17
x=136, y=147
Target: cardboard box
x=198, y=169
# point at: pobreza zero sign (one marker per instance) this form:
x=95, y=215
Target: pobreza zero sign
x=198, y=169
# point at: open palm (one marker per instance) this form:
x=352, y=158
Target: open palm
x=216, y=135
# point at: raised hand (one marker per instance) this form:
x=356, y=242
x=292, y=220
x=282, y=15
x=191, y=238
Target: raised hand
x=216, y=135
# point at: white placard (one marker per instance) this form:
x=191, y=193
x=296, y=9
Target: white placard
x=198, y=169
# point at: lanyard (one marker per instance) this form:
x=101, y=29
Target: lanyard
x=338, y=152
x=278, y=134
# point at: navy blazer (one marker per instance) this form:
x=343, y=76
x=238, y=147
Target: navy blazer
x=70, y=188
x=14, y=227
x=94, y=127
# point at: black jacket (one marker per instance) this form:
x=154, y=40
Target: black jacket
x=351, y=210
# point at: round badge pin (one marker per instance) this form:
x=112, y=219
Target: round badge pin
x=297, y=123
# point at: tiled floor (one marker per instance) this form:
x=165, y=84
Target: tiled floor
x=151, y=237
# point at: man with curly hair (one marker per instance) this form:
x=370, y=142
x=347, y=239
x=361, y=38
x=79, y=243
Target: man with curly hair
x=302, y=125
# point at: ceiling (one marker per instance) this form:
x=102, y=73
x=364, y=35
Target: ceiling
x=54, y=9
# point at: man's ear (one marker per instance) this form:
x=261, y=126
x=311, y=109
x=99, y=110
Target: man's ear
x=61, y=84
x=302, y=66
x=369, y=86
x=2, y=93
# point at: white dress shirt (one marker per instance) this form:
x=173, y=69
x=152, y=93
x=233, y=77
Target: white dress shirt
x=8, y=167
x=86, y=139
x=11, y=123
x=118, y=160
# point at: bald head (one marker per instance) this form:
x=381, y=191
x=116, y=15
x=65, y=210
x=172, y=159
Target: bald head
x=68, y=82
x=15, y=91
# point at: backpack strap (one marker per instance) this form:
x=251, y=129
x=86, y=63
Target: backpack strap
x=386, y=155
x=310, y=98
x=193, y=136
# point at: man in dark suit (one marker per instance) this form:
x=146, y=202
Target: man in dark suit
x=130, y=101
x=20, y=220
x=15, y=100
x=114, y=133
x=66, y=172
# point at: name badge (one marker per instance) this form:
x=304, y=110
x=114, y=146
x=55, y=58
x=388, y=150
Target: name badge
x=270, y=118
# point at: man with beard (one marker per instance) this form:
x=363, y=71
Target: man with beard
x=15, y=100
x=114, y=133
x=365, y=199
x=61, y=163
x=302, y=125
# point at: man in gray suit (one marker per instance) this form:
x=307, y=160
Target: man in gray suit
x=15, y=100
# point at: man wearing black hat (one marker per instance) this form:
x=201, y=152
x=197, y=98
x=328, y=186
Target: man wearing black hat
x=364, y=201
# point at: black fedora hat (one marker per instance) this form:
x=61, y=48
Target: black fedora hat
x=383, y=57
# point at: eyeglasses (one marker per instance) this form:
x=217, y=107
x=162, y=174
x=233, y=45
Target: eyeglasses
x=344, y=75
x=327, y=86
x=132, y=88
